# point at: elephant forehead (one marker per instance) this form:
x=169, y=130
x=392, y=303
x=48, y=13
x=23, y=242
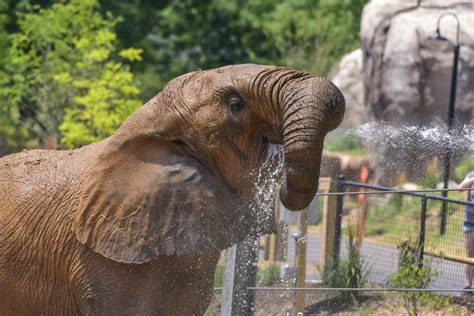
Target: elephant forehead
x=197, y=89
x=243, y=69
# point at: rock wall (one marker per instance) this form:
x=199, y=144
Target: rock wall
x=406, y=73
x=402, y=76
x=348, y=77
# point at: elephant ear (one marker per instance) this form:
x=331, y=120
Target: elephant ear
x=133, y=205
x=146, y=195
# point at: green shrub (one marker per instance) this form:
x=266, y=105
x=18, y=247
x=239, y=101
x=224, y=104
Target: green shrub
x=66, y=79
x=347, y=272
x=429, y=181
x=271, y=274
x=349, y=142
x=413, y=273
x=463, y=168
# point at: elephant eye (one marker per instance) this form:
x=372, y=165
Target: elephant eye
x=236, y=103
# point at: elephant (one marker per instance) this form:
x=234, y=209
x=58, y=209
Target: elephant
x=134, y=224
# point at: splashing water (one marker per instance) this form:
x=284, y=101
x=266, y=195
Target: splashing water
x=432, y=137
x=267, y=180
x=410, y=147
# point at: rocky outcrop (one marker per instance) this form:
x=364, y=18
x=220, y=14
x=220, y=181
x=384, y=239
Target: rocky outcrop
x=406, y=73
x=401, y=79
x=347, y=76
x=401, y=73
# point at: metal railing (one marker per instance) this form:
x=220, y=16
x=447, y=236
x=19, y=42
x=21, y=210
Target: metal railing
x=416, y=205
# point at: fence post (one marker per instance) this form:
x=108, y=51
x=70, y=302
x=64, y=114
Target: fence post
x=339, y=206
x=272, y=247
x=362, y=214
x=240, y=272
x=442, y=223
x=421, y=241
x=301, y=259
x=328, y=222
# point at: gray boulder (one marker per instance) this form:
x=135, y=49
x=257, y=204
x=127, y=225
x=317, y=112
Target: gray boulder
x=404, y=84
x=407, y=74
x=348, y=77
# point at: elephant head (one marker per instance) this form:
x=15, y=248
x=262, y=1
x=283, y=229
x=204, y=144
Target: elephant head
x=176, y=177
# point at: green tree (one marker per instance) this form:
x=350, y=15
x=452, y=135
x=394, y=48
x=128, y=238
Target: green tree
x=305, y=34
x=192, y=34
x=313, y=35
x=11, y=131
x=176, y=36
x=64, y=81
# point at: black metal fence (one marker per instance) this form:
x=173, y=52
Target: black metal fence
x=382, y=219
x=384, y=222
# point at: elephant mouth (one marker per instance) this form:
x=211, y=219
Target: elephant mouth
x=207, y=166
x=269, y=136
x=249, y=181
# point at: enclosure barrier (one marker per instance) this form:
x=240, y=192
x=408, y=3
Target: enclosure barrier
x=352, y=289
x=424, y=201
x=382, y=203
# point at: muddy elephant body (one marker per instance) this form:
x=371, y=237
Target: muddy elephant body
x=45, y=270
x=134, y=224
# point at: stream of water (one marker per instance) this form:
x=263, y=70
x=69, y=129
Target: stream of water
x=426, y=138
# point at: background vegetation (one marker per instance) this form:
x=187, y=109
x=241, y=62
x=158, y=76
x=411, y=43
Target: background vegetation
x=72, y=71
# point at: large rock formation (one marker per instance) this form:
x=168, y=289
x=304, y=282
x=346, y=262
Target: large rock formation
x=406, y=73
x=402, y=76
x=348, y=77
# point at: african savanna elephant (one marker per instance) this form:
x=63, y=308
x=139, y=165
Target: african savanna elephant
x=134, y=224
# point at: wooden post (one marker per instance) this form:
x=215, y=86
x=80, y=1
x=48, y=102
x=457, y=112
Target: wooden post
x=240, y=272
x=362, y=214
x=329, y=222
x=272, y=248
x=266, y=246
x=301, y=260
x=272, y=238
x=361, y=218
x=281, y=238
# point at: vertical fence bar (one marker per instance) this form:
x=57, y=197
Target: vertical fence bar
x=339, y=206
x=447, y=157
x=442, y=223
x=421, y=241
x=240, y=272
x=272, y=247
x=328, y=222
x=301, y=245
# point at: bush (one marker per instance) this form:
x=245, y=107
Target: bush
x=348, y=272
x=349, y=142
x=429, y=181
x=271, y=274
x=65, y=79
x=413, y=273
x=463, y=168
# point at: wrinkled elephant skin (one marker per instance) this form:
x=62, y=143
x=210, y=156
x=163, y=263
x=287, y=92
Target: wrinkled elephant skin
x=134, y=224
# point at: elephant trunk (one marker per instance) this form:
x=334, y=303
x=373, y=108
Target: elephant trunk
x=310, y=108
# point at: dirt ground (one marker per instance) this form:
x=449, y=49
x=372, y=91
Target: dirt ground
x=324, y=303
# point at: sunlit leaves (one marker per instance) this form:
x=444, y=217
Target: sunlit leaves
x=309, y=35
x=132, y=54
x=64, y=77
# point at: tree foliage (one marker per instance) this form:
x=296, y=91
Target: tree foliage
x=65, y=71
x=313, y=35
x=305, y=34
x=191, y=35
x=63, y=81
